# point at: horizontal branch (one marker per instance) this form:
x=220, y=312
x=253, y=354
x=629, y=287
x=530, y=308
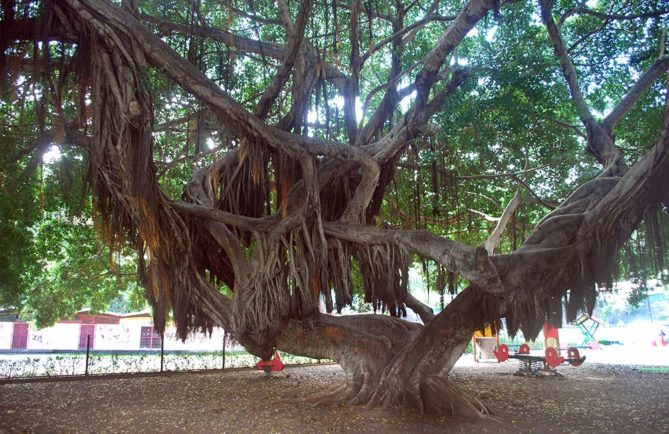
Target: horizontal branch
x=473, y=263
x=605, y=16
x=268, y=49
x=573, y=127
x=502, y=175
x=251, y=224
x=485, y=216
x=30, y=29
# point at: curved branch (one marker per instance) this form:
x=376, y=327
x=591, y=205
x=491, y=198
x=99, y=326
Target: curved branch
x=635, y=92
x=295, y=36
x=398, y=34
x=251, y=224
x=544, y=202
x=161, y=55
x=409, y=125
x=268, y=49
x=565, y=62
x=470, y=15
x=424, y=311
x=605, y=16
x=472, y=263
x=496, y=236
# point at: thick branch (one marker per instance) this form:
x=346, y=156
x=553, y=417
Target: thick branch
x=605, y=16
x=565, y=62
x=635, y=92
x=183, y=72
x=352, y=89
x=471, y=262
x=470, y=15
x=496, y=236
x=409, y=125
x=251, y=224
x=269, y=49
x=295, y=36
x=398, y=34
x=424, y=311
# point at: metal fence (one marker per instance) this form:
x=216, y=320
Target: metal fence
x=16, y=364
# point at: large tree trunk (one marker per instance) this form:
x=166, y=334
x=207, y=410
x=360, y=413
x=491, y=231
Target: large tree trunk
x=391, y=362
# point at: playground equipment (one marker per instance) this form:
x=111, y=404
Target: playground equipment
x=532, y=364
x=550, y=360
x=270, y=365
x=661, y=342
x=588, y=325
x=551, y=337
x=485, y=343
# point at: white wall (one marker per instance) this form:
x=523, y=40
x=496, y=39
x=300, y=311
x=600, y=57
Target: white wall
x=195, y=342
x=60, y=336
x=116, y=337
x=65, y=336
x=6, y=330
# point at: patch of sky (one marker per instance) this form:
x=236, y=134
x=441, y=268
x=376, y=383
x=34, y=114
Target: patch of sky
x=358, y=110
x=338, y=102
x=536, y=19
x=622, y=59
x=490, y=34
x=312, y=116
x=407, y=101
x=52, y=155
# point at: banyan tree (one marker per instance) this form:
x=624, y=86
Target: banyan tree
x=269, y=162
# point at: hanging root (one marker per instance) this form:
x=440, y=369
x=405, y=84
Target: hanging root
x=440, y=396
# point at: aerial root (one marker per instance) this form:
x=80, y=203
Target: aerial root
x=440, y=396
x=339, y=395
x=348, y=393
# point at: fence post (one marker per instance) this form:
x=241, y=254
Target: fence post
x=162, y=350
x=88, y=350
x=225, y=334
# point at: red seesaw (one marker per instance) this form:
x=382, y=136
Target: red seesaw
x=551, y=359
x=270, y=365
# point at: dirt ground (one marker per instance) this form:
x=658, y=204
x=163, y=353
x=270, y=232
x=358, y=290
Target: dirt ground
x=591, y=398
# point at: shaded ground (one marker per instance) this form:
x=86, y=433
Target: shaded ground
x=592, y=398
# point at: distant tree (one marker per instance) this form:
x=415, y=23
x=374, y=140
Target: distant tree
x=258, y=155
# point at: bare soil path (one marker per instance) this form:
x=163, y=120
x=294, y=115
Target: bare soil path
x=594, y=398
